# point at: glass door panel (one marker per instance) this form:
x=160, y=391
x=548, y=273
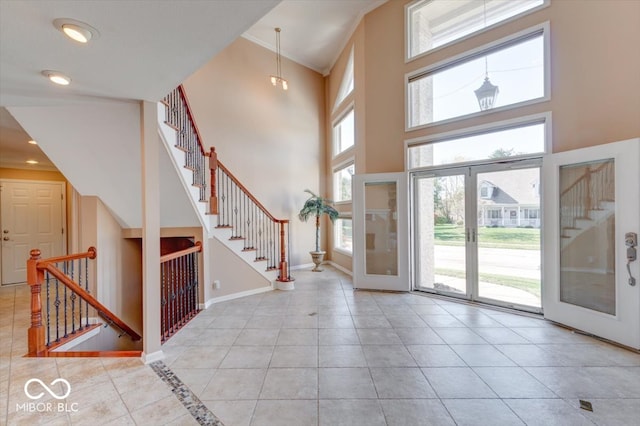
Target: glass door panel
x=587, y=240
x=508, y=236
x=440, y=233
x=381, y=228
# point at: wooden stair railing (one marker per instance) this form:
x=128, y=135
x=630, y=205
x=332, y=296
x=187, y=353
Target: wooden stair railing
x=248, y=219
x=65, y=291
x=251, y=222
x=179, y=289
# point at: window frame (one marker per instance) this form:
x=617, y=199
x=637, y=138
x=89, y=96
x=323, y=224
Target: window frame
x=510, y=40
x=348, y=108
x=343, y=251
x=337, y=168
x=407, y=33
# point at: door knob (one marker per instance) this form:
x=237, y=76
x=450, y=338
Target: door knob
x=5, y=231
x=6, y=238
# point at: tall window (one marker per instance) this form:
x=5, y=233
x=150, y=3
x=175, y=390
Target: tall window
x=344, y=133
x=434, y=23
x=346, y=86
x=451, y=89
x=343, y=237
x=342, y=182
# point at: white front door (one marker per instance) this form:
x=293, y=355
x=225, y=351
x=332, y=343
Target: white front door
x=592, y=203
x=380, y=232
x=31, y=216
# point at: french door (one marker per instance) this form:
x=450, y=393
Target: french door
x=476, y=233
x=592, y=222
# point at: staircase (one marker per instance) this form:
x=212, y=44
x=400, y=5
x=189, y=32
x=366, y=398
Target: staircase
x=226, y=208
x=67, y=320
x=587, y=202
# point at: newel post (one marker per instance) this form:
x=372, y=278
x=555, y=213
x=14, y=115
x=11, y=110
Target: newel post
x=283, y=274
x=35, y=278
x=213, y=166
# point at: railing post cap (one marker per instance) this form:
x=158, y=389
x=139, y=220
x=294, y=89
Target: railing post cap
x=35, y=254
x=93, y=251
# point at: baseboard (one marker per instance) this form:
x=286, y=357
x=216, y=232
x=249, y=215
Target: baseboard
x=152, y=357
x=233, y=296
x=340, y=268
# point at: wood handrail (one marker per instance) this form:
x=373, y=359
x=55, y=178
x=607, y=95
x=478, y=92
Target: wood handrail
x=91, y=253
x=167, y=257
x=71, y=285
x=183, y=93
x=249, y=194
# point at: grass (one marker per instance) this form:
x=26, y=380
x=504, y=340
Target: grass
x=527, y=284
x=514, y=238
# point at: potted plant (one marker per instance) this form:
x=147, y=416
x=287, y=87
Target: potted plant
x=316, y=206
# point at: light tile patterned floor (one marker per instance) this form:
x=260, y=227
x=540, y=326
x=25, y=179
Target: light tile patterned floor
x=326, y=355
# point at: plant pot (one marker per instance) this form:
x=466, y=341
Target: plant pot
x=317, y=257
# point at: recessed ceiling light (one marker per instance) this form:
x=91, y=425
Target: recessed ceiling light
x=57, y=77
x=76, y=30
x=32, y=161
x=32, y=142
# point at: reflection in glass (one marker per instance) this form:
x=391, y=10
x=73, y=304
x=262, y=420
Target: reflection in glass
x=587, y=241
x=381, y=228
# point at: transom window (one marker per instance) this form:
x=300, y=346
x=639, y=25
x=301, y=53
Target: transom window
x=435, y=23
x=344, y=133
x=515, y=67
x=501, y=140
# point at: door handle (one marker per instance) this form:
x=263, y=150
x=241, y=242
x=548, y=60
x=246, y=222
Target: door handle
x=5, y=231
x=631, y=242
x=5, y=239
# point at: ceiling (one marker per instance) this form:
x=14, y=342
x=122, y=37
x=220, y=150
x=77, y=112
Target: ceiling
x=148, y=37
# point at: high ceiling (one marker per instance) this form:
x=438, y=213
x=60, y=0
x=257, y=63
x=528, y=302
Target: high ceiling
x=138, y=39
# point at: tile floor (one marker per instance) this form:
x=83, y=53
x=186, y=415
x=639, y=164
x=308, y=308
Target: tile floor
x=326, y=355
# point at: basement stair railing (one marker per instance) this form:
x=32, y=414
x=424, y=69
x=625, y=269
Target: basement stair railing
x=179, y=289
x=236, y=207
x=67, y=308
x=588, y=193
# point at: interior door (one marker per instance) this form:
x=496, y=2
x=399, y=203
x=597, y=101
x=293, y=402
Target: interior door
x=380, y=232
x=592, y=219
x=31, y=216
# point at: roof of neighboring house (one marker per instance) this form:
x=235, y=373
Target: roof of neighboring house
x=512, y=187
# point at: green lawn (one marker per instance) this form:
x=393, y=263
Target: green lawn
x=515, y=238
x=527, y=284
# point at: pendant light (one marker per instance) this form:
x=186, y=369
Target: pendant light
x=277, y=79
x=487, y=93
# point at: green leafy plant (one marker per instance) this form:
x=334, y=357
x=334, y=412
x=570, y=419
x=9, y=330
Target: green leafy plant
x=316, y=206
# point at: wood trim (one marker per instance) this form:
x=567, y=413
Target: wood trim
x=183, y=93
x=89, y=299
x=89, y=354
x=167, y=257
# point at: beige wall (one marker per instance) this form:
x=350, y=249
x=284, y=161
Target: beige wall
x=234, y=274
x=595, y=79
x=272, y=140
x=115, y=275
